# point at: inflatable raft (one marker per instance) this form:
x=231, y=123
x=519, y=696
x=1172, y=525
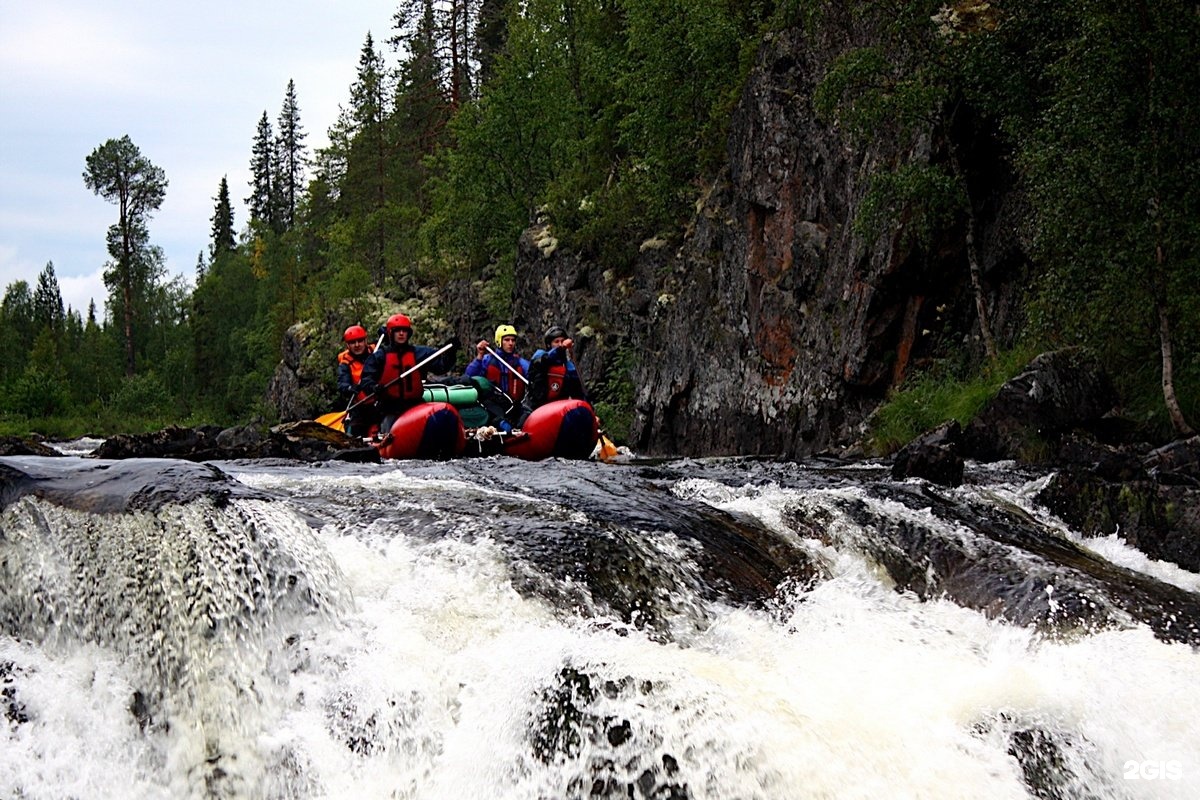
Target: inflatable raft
x=428, y=430
x=452, y=423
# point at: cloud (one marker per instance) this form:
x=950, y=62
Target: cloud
x=186, y=82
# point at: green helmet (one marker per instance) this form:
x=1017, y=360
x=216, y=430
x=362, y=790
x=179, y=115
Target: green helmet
x=502, y=331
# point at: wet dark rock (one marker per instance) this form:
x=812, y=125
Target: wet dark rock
x=933, y=456
x=16, y=446
x=1163, y=521
x=1177, y=462
x=306, y=441
x=1002, y=562
x=135, y=484
x=568, y=727
x=605, y=569
x=1040, y=754
x=1057, y=393
x=15, y=712
x=1103, y=460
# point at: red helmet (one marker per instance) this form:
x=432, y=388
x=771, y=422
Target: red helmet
x=398, y=321
x=354, y=333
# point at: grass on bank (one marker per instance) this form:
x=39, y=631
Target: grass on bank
x=927, y=399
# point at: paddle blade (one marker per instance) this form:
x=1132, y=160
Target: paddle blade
x=608, y=450
x=336, y=420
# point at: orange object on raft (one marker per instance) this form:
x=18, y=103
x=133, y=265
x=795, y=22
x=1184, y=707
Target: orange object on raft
x=562, y=428
x=427, y=430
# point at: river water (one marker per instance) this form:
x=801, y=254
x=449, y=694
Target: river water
x=492, y=628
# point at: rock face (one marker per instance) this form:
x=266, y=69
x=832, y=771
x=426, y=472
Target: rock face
x=771, y=327
x=768, y=325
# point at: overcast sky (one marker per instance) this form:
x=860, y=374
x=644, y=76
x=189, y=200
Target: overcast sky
x=187, y=82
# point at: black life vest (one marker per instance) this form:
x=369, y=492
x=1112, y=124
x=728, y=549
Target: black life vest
x=394, y=365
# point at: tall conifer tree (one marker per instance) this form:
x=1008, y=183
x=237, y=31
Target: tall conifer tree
x=118, y=172
x=261, y=202
x=47, y=300
x=223, y=240
x=290, y=159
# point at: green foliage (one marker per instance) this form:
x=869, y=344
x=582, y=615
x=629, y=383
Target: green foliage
x=613, y=394
x=925, y=196
x=928, y=399
x=144, y=395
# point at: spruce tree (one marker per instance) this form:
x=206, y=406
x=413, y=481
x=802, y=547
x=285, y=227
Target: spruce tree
x=261, y=202
x=223, y=240
x=290, y=158
x=47, y=301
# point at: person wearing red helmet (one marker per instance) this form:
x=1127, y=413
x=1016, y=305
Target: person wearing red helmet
x=361, y=415
x=381, y=373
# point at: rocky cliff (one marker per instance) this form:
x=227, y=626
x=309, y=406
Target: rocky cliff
x=769, y=326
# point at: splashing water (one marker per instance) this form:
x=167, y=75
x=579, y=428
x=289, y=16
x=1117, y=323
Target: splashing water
x=448, y=630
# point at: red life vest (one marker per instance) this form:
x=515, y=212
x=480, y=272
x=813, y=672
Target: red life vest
x=556, y=377
x=394, y=365
x=356, y=368
x=511, y=385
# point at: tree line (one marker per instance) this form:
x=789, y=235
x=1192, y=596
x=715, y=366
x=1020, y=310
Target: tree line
x=475, y=117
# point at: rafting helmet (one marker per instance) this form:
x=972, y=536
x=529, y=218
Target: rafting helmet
x=354, y=333
x=397, y=321
x=502, y=331
x=552, y=333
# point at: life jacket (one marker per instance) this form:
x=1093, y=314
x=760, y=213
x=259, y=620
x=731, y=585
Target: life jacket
x=501, y=376
x=356, y=367
x=394, y=365
x=556, y=379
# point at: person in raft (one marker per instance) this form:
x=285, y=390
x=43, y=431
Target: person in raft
x=552, y=373
x=381, y=373
x=507, y=372
x=361, y=415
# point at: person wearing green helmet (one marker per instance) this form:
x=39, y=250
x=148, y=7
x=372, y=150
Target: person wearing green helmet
x=506, y=371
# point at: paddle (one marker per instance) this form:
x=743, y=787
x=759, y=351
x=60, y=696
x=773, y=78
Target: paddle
x=507, y=365
x=608, y=450
x=337, y=419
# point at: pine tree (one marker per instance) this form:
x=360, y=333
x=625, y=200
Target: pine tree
x=47, y=301
x=261, y=202
x=365, y=194
x=290, y=158
x=118, y=172
x=491, y=34
x=222, y=225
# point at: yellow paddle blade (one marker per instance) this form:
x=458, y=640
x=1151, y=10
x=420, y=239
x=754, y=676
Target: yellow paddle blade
x=608, y=450
x=336, y=420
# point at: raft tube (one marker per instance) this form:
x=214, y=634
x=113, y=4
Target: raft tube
x=562, y=428
x=428, y=430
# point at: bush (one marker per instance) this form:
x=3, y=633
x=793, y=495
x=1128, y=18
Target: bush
x=142, y=395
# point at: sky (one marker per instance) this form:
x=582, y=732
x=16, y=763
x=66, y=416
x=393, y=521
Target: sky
x=187, y=82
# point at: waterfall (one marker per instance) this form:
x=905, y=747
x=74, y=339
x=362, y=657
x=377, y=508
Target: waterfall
x=501, y=629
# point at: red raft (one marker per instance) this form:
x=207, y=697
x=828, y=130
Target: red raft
x=561, y=428
x=428, y=430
